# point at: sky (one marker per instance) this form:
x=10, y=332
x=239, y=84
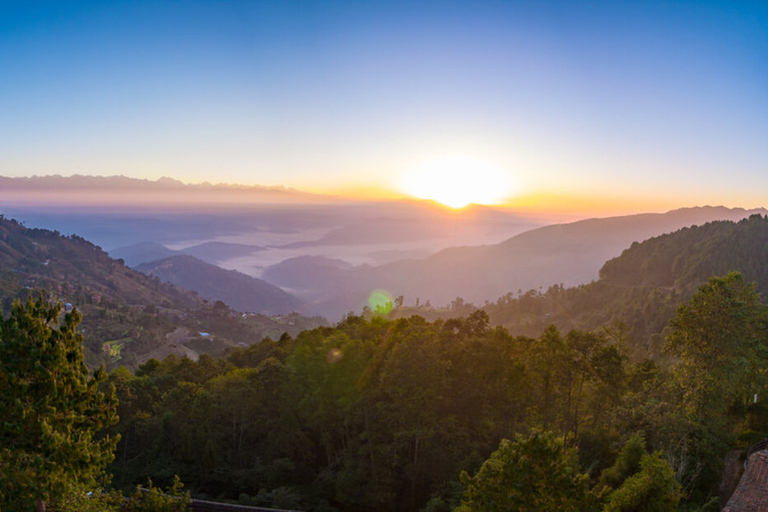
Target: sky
x=633, y=105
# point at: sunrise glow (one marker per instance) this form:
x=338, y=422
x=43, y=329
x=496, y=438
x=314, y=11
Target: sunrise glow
x=458, y=182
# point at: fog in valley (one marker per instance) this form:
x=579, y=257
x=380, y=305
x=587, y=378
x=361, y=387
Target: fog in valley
x=328, y=252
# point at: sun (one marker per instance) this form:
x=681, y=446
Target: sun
x=458, y=182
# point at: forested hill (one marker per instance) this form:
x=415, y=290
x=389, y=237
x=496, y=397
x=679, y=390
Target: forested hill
x=79, y=271
x=128, y=316
x=395, y=415
x=639, y=290
x=686, y=258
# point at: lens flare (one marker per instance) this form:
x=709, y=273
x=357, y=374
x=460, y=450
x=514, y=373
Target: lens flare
x=380, y=301
x=334, y=355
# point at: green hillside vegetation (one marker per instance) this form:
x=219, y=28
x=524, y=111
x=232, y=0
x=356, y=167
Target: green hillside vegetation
x=53, y=412
x=378, y=414
x=395, y=413
x=639, y=291
x=685, y=258
x=129, y=317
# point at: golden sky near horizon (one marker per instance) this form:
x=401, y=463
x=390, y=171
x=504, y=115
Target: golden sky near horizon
x=599, y=107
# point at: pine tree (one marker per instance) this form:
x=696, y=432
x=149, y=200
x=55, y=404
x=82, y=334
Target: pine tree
x=51, y=407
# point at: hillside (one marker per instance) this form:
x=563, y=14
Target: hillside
x=128, y=316
x=310, y=275
x=43, y=259
x=686, y=258
x=641, y=289
x=238, y=290
x=568, y=254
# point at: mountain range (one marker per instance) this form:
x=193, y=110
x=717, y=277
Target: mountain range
x=210, y=252
x=239, y=291
x=137, y=315
x=128, y=316
x=568, y=254
x=135, y=216
x=638, y=292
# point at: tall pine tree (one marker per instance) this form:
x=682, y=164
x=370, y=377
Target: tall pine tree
x=51, y=407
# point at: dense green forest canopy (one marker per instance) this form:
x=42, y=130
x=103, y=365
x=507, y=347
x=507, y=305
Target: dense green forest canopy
x=378, y=414
x=392, y=412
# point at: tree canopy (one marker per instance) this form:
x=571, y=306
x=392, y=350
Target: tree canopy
x=537, y=472
x=52, y=409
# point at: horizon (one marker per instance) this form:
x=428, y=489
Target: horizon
x=96, y=193
x=586, y=110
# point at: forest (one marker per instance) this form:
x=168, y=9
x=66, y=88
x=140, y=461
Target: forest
x=393, y=411
x=406, y=414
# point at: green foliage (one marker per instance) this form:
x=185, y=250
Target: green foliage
x=530, y=473
x=652, y=489
x=87, y=499
x=152, y=499
x=720, y=338
x=627, y=463
x=639, y=481
x=378, y=414
x=694, y=410
x=51, y=408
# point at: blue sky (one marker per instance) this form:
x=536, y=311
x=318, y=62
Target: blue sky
x=659, y=103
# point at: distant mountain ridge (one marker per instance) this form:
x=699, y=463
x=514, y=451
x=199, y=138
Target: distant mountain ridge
x=568, y=254
x=240, y=291
x=163, y=193
x=78, y=181
x=210, y=252
x=643, y=287
x=285, y=223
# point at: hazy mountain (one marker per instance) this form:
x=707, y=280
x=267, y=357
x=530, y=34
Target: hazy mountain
x=143, y=252
x=308, y=275
x=643, y=287
x=210, y=252
x=240, y=291
x=415, y=221
x=116, y=190
x=128, y=316
x=568, y=254
x=216, y=252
